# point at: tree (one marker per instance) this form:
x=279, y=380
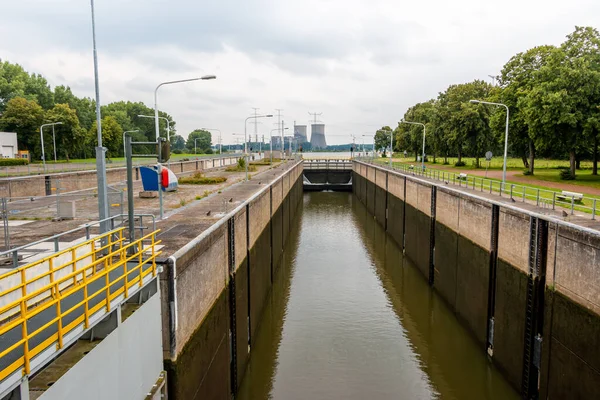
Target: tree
x=70, y=136
x=382, y=138
x=177, y=142
x=465, y=125
x=25, y=118
x=562, y=108
x=517, y=79
x=112, y=136
x=84, y=107
x=203, y=142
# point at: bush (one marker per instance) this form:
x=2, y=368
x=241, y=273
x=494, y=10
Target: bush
x=199, y=179
x=8, y=162
x=459, y=164
x=565, y=175
x=445, y=163
x=383, y=155
x=527, y=172
x=177, y=151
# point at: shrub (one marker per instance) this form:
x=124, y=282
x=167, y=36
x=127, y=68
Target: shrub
x=565, y=175
x=459, y=164
x=383, y=155
x=240, y=166
x=527, y=172
x=445, y=163
x=8, y=162
x=200, y=179
x=177, y=151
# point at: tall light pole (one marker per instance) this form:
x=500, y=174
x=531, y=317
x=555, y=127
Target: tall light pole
x=213, y=129
x=423, y=153
x=271, y=142
x=42, y=139
x=246, y=140
x=125, y=147
x=505, y=135
x=204, y=78
x=100, y=151
x=195, y=152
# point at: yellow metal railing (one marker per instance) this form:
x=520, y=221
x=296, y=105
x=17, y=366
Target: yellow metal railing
x=90, y=267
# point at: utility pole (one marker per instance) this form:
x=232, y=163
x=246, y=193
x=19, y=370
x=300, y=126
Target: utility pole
x=315, y=115
x=255, y=124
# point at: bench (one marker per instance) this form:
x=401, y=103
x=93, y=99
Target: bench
x=462, y=176
x=568, y=196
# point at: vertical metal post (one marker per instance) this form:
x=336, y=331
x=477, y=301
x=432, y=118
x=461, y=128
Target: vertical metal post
x=554, y=200
x=572, y=203
x=130, y=206
x=594, y=209
x=537, y=198
x=58, y=199
x=512, y=186
x=6, y=228
x=100, y=161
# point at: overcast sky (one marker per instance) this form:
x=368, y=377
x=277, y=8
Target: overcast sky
x=360, y=63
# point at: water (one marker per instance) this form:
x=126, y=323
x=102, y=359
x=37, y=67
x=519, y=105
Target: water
x=350, y=318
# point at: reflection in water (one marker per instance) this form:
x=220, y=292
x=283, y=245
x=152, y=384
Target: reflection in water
x=349, y=318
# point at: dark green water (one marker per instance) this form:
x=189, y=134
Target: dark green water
x=350, y=318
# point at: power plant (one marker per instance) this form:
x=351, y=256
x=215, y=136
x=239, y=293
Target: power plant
x=317, y=133
x=300, y=133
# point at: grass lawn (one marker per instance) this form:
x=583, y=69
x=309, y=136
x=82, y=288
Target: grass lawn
x=546, y=194
x=496, y=163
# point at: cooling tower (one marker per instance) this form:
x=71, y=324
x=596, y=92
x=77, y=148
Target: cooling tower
x=317, y=136
x=300, y=133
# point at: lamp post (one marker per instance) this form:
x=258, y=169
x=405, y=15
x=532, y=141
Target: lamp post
x=246, y=140
x=505, y=135
x=423, y=153
x=125, y=147
x=195, y=152
x=213, y=129
x=100, y=150
x=271, y=142
x=42, y=139
x=204, y=78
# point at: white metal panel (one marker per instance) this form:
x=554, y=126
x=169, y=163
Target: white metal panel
x=124, y=366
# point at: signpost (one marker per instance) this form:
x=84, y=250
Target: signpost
x=488, y=158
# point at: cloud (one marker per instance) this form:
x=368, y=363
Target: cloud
x=360, y=63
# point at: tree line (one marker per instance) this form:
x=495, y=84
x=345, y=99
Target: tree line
x=27, y=101
x=552, y=92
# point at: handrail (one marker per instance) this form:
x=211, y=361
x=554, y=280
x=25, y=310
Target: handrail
x=106, y=264
x=86, y=227
x=540, y=197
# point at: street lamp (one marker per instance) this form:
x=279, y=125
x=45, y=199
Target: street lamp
x=213, y=129
x=505, y=135
x=42, y=138
x=423, y=154
x=100, y=150
x=245, y=138
x=195, y=151
x=271, y=142
x=204, y=78
x=124, y=133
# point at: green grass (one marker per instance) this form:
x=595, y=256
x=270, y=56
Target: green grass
x=199, y=179
x=531, y=190
x=238, y=168
x=265, y=161
x=496, y=163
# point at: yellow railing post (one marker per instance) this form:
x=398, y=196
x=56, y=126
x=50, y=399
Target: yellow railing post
x=26, y=340
x=153, y=254
x=107, y=265
x=86, y=307
x=74, y=263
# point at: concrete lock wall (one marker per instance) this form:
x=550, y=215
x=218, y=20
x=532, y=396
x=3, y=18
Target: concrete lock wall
x=35, y=185
x=476, y=253
x=216, y=291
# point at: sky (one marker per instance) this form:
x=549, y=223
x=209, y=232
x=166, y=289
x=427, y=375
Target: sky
x=359, y=63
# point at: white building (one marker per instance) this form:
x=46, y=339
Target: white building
x=8, y=145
